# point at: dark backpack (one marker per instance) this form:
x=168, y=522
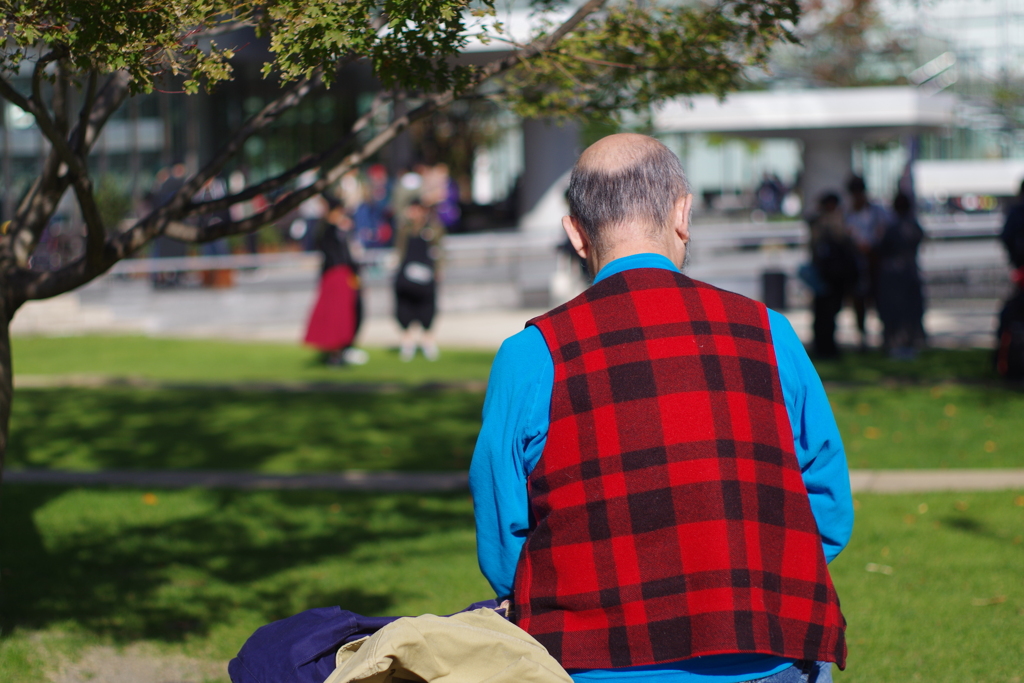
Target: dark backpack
x=302, y=648
x=1009, y=356
x=836, y=261
x=415, y=277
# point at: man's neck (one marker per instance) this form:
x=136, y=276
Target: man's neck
x=628, y=249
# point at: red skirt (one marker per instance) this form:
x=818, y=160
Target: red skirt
x=332, y=324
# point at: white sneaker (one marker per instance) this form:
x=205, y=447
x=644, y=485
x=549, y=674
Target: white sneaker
x=407, y=352
x=354, y=356
x=431, y=352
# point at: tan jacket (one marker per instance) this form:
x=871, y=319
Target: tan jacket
x=469, y=647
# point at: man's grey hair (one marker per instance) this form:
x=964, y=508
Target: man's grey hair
x=643, y=192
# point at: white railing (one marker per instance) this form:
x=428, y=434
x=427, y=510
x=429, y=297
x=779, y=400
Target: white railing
x=136, y=266
x=503, y=255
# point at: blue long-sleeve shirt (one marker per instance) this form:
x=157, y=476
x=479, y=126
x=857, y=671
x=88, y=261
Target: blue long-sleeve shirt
x=514, y=432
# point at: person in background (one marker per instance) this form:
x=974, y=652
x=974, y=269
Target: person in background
x=1009, y=352
x=363, y=218
x=407, y=188
x=380, y=204
x=834, y=258
x=770, y=193
x=866, y=222
x=309, y=214
x=213, y=189
x=338, y=312
x=442, y=193
x=1012, y=235
x=898, y=292
x=168, y=182
x=418, y=248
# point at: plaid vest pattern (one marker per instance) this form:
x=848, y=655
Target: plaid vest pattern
x=670, y=516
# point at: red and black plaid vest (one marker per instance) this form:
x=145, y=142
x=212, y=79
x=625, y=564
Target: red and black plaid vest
x=670, y=516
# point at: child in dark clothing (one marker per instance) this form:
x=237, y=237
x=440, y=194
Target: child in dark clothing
x=418, y=248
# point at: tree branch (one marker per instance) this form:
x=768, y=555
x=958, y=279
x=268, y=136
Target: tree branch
x=494, y=68
x=46, y=125
x=78, y=169
x=13, y=96
x=40, y=202
x=543, y=43
x=59, y=103
x=108, y=100
x=87, y=104
x=291, y=97
x=279, y=181
x=280, y=208
x=102, y=254
x=95, y=232
x=221, y=29
x=32, y=285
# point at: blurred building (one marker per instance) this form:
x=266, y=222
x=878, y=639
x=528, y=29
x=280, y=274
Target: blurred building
x=943, y=116
x=947, y=105
x=166, y=127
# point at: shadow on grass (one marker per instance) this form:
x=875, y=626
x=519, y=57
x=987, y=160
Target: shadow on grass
x=129, y=565
x=968, y=525
x=979, y=529
x=281, y=432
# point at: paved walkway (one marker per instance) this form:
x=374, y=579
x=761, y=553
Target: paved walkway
x=912, y=481
x=862, y=481
x=271, y=305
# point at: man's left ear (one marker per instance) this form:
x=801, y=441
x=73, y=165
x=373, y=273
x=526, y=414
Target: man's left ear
x=681, y=218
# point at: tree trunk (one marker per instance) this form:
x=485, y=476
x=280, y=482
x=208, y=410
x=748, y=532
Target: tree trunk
x=6, y=379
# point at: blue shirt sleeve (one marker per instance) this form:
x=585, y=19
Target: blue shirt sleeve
x=512, y=437
x=819, y=448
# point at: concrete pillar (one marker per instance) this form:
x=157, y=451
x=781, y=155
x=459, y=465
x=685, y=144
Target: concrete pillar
x=828, y=165
x=549, y=151
x=399, y=154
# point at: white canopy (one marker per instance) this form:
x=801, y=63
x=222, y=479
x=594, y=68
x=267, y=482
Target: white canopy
x=1000, y=177
x=794, y=113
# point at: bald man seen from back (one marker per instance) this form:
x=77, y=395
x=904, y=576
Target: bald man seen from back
x=659, y=482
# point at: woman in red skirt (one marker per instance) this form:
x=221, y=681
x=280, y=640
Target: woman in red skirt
x=335, y=319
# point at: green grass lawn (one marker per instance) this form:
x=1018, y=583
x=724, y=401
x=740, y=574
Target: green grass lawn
x=931, y=412
x=931, y=583
x=196, y=572
x=931, y=587
x=931, y=365
x=279, y=432
x=946, y=425
x=188, y=360
x=288, y=432
x=943, y=425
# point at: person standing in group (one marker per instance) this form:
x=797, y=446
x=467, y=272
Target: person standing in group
x=834, y=261
x=168, y=182
x=1009, y=352
x=866, y=222
x=898, y=292
x=659, y=482
x=418, y=248
x=338, y=311
x=1012, y=235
